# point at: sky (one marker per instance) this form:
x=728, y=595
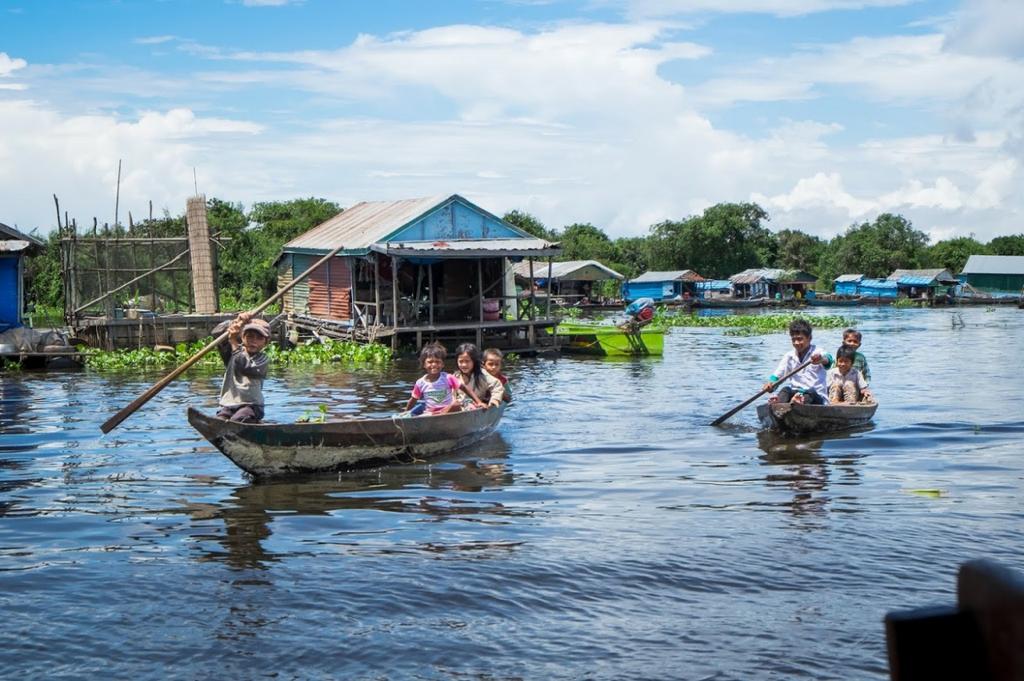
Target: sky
x=618, y=113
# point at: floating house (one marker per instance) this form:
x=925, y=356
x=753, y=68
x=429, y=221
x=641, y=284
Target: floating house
x=14, y=246
x=926, y=284
x=572, y=281
x=767, y=282
x=877, y=288
x=994, y=273
x=662, y=285
x=436, y=268
x=846, y=284
x=714, y=288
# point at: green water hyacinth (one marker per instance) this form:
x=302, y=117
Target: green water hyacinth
x=749, y=324
x=329, y=351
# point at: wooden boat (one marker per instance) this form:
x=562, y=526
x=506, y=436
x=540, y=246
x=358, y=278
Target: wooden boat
x=728, y=302
x=787, y=417
x=818, y=301
x=605, y=339
x=274, y=449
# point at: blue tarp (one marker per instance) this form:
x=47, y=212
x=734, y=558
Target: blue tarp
x=877, y=288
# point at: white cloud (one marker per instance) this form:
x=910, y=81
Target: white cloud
x=988, y=27
x=782, y=8
x=154, y=40
x=9, y=65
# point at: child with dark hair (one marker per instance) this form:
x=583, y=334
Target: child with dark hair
x=492, y=364
x=846, y=385
x=852, y=338
x=245, y=368
x=472, y=375
x=437, y=388
x=808, y=385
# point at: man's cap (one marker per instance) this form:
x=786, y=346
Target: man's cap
x=260, y=326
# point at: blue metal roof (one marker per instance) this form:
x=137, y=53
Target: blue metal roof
x=916, y=281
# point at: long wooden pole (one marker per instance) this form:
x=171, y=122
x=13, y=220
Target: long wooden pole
x=732, y=411
x=120, y=416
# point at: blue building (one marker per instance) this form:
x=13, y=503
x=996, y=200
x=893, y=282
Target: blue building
x=847, y=284
x=433, y=266
x=924, y=284
x=662, y=285
x=877, y=288
x=14, y=245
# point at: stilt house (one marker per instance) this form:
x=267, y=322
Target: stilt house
x=418, y=269
x=660, y=286
x=572, y=281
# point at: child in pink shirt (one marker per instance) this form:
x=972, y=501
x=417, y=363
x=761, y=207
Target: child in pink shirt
x=437, y=388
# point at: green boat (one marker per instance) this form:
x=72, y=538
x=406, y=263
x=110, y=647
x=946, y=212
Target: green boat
x=604, y=339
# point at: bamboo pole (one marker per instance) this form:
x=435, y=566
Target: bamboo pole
x=127, y=411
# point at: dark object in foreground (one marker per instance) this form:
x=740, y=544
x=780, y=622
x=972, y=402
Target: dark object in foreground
x=790, y=417
x=275, y=449
x=982, y=639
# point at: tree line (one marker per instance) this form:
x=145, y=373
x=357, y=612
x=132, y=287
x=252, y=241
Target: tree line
x=723, y=240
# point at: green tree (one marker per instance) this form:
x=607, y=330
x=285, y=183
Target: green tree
x=528, y=224
x=799, y=251
x=583, y=241
x=1007, y=245
x=952, y=254
x=631, y=256
x=727, y=238
x=874, y=249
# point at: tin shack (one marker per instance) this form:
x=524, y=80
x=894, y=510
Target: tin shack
x=659, y=286
x=14, y=246
x=572, y=281
x=436, y=268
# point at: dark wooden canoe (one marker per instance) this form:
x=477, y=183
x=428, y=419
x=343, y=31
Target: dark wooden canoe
x=814, y=418
x=728, y=302
x=274, y=449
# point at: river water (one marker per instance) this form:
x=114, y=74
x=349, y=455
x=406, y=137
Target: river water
x=605, y=532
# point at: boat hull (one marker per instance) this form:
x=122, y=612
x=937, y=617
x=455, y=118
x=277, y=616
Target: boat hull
x=725, y=303
x=810, y=418
x=278, y=449
x=593, y=339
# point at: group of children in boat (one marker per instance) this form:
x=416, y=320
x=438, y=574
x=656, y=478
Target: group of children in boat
x=817, y=378
x=477, y=383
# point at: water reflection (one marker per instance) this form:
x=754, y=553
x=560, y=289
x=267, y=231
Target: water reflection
x=250, y=510
x=805, y=470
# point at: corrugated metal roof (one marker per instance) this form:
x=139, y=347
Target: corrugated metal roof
x=566, y=269
x=877, y=283
x=13, y=246
x=752, y=276
x=939, y=275
x=994, y=264
x=363, y=224
x=671, y=275
x=526, y=247
x=848, y=277
x=7, y=233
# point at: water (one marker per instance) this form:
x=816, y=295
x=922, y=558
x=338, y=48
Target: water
x=605, y=532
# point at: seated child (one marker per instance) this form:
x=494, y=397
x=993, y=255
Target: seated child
x=807, y=385
x=851, y=338
x=241, y=394
x=846, y=385
x=471, y=373
x=437, y=388
x=492, y=365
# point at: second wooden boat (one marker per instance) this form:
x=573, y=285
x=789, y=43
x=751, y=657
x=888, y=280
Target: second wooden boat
x=787, y=417
x=274, y=449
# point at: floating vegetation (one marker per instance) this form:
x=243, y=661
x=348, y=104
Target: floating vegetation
x=749, y=324
x=326, y=352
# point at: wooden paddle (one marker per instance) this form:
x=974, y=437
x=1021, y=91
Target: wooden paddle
x=732, y=411
x=116, y=419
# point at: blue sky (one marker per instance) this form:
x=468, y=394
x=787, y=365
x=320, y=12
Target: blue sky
x=621, y=113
